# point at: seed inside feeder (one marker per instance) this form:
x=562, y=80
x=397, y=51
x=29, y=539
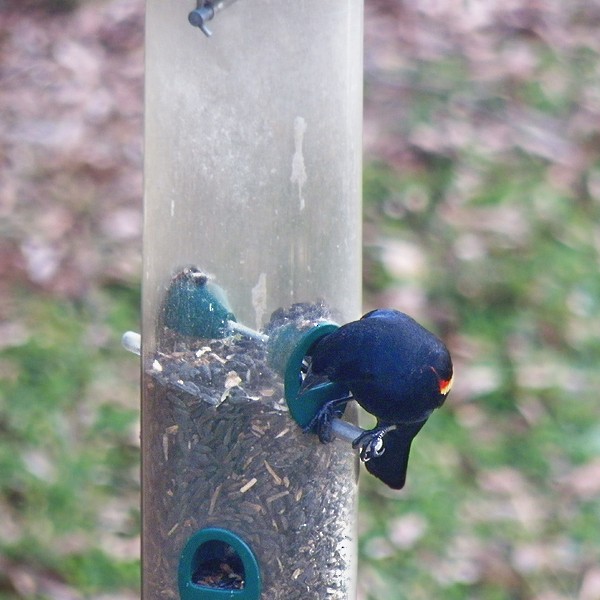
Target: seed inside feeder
x=221, y=450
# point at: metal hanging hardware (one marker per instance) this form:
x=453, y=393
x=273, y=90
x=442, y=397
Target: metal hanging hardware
x=206, y=11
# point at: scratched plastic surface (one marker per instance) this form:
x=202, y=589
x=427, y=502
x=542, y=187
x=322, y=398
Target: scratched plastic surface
x=253, y=174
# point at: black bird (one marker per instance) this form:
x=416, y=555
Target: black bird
x=396, y=370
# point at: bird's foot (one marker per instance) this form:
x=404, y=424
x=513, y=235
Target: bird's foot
x=321, y=422
x=371, y=443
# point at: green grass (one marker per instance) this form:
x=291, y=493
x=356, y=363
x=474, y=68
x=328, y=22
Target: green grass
x=68, y=414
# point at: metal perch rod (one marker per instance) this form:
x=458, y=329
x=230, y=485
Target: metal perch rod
x=132, y=342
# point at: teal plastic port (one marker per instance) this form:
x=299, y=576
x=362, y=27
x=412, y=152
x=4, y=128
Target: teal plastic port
x=217, y=564
x=288, y=348
x=195, y=306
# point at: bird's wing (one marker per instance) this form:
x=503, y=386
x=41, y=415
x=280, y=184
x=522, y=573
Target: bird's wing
x=336, y=355
x=392, y=465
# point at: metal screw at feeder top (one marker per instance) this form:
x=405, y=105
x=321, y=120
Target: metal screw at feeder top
x=206, y=11
x=200, y=15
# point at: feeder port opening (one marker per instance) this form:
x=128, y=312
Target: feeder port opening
x=216, y=564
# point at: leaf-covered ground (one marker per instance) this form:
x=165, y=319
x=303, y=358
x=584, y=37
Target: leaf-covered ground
x=482, y=206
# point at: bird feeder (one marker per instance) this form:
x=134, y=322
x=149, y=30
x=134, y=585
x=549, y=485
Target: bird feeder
x=251, y=251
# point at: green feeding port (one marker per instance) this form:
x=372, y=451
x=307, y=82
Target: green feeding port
x=195, y=307
x=288, y=349
x=218, y=564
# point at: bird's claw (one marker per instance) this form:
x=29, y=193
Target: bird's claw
x=321, y=422
x=371, y=444
x=321, y=425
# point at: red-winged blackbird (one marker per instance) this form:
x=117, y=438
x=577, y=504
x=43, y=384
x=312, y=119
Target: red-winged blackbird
x=396, y=370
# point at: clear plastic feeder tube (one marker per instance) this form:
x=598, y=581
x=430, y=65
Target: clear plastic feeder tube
x=252, y=195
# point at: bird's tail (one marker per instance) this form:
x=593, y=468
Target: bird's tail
x=392, y=465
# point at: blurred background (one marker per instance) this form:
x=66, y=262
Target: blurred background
x=481, y=210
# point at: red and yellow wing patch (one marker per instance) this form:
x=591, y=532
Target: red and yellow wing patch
x=445, y=384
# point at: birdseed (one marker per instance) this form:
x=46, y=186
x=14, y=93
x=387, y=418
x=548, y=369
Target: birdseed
x=221, y=450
